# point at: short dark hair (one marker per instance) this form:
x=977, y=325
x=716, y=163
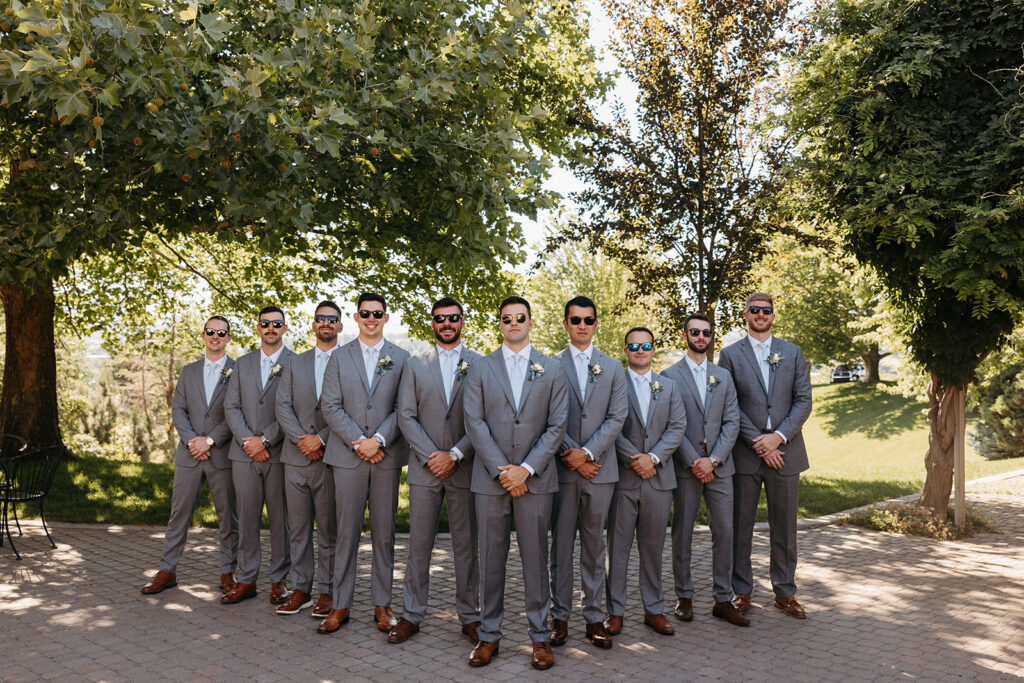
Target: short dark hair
x=637, y=329
x=445, y=302
x=371, y=296
x=515, y=300
x=760, y=296
x=270, y=309
x=694, y=316
x=582, y=302
x=327, y=303
x=220, y=318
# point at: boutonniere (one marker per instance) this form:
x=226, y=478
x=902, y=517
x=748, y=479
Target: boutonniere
x=655, y=389
x=461, y=368
x=536, y=370
x=225, y=375
x=384, y=364
x=774, y=360
x=713, y=381
x=276, y=370
x=595, y=371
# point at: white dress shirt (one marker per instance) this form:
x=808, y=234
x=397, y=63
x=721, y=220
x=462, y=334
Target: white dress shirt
x=440, y=361
x=523, y=353
x=369, y=373
x=754, y=344
x=584, y=377
x=649, y=376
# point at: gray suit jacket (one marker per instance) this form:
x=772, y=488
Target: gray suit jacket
x=595, y=420
x=715, y=425
x=249, y=408
x=666, y=425
x=787, y=399
x=501, y=435
x=429, y=423
x=298, y=409
x=192, y=417
x=354, y=410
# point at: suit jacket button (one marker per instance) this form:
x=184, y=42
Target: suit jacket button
x=317, y=409
x=517, y=421
x=261, y=401
x=369, y=406
x=448, y=417
x=584, y=416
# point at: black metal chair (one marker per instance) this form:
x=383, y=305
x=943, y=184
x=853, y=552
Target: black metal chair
x=10, y=445
x=27, y=476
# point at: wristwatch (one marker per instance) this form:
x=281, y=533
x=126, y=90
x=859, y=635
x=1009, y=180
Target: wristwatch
x=452, y=456
x=266, y=442
x=209, y=441
x=379, y=440
x=715, y=462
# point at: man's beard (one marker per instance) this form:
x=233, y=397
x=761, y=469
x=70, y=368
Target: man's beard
x=438, y=337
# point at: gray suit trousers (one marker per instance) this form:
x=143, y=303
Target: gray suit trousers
x=642, y=512
x=256, y=483
x=782, y=492
x=584, y=505
x=494, y=515
x=424, y=512
x=718, y=495
x=310, y=494
x=188, y=484
x=353, y=488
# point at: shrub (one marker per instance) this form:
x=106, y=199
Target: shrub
x=914, y=520
x=1001, y=403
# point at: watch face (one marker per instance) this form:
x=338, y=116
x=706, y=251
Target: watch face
x=453, y=457
x=209, y=441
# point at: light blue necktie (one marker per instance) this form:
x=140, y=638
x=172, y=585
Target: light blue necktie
x=321, y=366
x=371, y=364
x=581, y=359
x=763, y=353
x=210, y=384
x=265, y=371
x=516, y=379
x=447, y=373
x=702, y=384
x=643, y=396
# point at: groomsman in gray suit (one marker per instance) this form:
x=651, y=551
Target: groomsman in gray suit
x=643, y=495
x=309, y=485
x=255, y=454
x=366, y=453
x=773, y=388
x=704, y=467
x=587, y=472
x=197, y=411
x=430, y=416
x=516, y=405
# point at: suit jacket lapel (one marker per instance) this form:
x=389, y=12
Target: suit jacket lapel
x=308, y=367
x=527, y=382
x=272, y=377
x=497, y=363
x=569, y=363
x=456, y=381
x=633, y=400
x=356, y=352
x=221, y=383
x=691, y=383
x=771, y=371
x=434, y=370
x=747, y=350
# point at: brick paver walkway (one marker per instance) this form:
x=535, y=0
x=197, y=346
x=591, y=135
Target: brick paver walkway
x=879, y=606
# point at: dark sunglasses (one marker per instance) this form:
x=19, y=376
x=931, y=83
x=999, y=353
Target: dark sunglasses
x=332, y=319
x=576, y=320
x=220, y=333
x=364, y=314
x=767, y=310
x=450, y=317
x=507, y=318
x=636, y=346
x=696, y=333
x=278, y=324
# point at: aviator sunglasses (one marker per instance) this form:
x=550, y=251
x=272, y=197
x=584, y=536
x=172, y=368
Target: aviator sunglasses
x=332, y=319
x=278, y=324
x=507, y=318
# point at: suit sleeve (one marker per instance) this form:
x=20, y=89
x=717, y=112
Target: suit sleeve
x=408, y=418
x=544, y=448
x=730, y=428
x=488, y=453
x=618, y=405
x=389, y=427
x=675, y=430
x=800, y=410
x=332, y=403
x=284, y=409
x=687, y=453
x=747, y=431
x=625, y=448
x=179, y=412
x=240, y=429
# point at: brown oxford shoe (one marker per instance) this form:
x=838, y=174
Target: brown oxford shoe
x=742, y=601
x=659, y=622
x=613, y=624
x=402, y=631
x=728, y=611
x=227, y=582
x=471, y=630
x=791, y=607
x=278, y=593
x=543, y=657
x=161, y=581
x=559, y=632
x=385, y=618
x=242, y=591
x=299, y=601
x=483, y=653
x=598, y=635
x=684, y=609
x=335, y=620
x=323, y=606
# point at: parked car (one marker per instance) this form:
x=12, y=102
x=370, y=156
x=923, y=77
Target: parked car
x=840, y=373
x=858, y=373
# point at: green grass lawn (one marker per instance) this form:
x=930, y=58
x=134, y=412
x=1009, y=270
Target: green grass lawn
x=864, y=445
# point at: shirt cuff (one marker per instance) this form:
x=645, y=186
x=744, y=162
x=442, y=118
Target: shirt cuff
x=528, y=469
x=321, y=440
x=458, y=454
x=380, y=437
x=590, y=456
x=655, y=459
x=784, y=439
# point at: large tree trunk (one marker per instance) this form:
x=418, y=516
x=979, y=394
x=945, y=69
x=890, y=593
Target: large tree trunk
x=945, y=400
x=872, y=357
x=28, y=405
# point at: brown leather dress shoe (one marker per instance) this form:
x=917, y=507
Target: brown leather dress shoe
x=684, y=609
x=742, y=601
x=335, y=620
x=227, y=582
x=299, y=601
x=559, y=632
x=543, y=658
x=483, y=653
x=728, y=611
x=659, y=622
x=598, y=635
x=613, y=624
x=385, y=618
x=402, y=631
x=789, y=604
x=323, y=606
x=471, y=630
x=278, y=593
x=161, y=580
x=242, y=591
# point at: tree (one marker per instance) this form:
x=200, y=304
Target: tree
x=908, y=120
x=675, y=195
x=393, y=143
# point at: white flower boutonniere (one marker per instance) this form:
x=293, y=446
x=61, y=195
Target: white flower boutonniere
x=713, y=381
x=655, y=389
x=774, y=360
x=461, y=368
x=225, y=375
x=276, y=370
x=595, y=371
x=384, y=364
x=536, y=370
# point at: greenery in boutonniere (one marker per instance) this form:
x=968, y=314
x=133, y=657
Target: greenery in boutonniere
x=595, y=371
x=384, y=364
